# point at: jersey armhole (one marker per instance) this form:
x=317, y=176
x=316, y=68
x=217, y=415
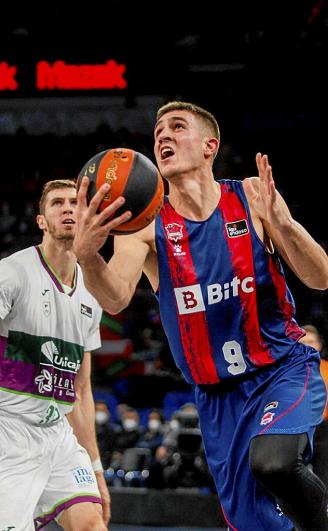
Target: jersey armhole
x=270, y=249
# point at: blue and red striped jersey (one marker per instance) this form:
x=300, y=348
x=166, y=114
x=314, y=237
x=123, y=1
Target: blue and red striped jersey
x=224, y=302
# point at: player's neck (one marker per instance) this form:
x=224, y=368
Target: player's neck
x=59, y=255
x=195, y=199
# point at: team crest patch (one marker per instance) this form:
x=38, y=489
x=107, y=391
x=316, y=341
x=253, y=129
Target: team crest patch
x=86, y=310
x=237, y=228
x=46, y=308
x=267, y=418
x=174, y=231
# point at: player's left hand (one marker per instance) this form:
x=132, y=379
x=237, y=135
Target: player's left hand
x=105, y=496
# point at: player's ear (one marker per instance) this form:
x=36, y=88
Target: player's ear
x=211, y=146
x=41, y=221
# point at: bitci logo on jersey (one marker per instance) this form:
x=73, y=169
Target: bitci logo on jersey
x=190, y=298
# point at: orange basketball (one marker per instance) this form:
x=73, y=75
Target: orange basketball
x=131, y=175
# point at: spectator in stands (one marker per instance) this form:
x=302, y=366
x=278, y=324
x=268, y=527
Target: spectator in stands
x=105, y=431
x=126, y=436
x=120, y=409
x=152, y=438
x=320, y=441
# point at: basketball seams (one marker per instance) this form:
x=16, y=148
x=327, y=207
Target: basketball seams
x=141, y=185
x=111, y=166
x=131, y=175
x=150, y=212
x=90, y=169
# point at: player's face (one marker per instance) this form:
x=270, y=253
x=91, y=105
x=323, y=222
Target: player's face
x=60, y=214
x=179, y=143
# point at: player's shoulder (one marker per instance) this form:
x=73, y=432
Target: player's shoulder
x=20, y=258
x=15, y=269
x=250, y=184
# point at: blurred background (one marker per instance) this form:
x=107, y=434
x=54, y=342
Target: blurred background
x=260, y=67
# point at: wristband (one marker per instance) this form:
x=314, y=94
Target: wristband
x=97, y=466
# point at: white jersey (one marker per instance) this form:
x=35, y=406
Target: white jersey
x=44, y=333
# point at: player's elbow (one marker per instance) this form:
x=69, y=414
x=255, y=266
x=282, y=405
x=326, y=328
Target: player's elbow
x=324, y=285
x=113, y=309
x=115, y=306
x=320, y=283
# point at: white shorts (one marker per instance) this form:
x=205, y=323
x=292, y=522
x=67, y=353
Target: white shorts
x=43, y=471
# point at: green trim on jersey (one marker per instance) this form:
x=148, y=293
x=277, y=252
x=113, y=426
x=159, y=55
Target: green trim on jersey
x=56, y=274
x=33, y=349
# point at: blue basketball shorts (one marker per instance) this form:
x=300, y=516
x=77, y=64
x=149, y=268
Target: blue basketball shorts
x=287, y=398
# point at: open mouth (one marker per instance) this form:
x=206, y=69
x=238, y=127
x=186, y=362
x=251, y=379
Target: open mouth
x=166, y=152
x=68, y=221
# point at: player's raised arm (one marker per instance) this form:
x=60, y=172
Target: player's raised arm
x=302, y=253
x=111, y=284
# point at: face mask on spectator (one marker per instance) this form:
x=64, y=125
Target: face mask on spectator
x=129, y=424
x=154, y=424
x=101, y=417
x=174, y=424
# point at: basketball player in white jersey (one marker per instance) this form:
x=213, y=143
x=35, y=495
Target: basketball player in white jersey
x=50, y=467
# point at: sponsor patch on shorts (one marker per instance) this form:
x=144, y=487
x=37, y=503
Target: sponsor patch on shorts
x=271, y=405
x=83, y=476
x=267, y=418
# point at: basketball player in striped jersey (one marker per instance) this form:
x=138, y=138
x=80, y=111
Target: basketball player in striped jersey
x=212, y=256
x=49, y=323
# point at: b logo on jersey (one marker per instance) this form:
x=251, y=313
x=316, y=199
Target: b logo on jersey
x=190, y=298
x=174, y=231
x=237, y=228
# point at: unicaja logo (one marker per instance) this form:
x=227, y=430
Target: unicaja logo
x=44, y=381
x=51, y=352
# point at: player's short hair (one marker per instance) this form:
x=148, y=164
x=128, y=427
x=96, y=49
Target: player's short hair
x=206, y=116
x=53, y=185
